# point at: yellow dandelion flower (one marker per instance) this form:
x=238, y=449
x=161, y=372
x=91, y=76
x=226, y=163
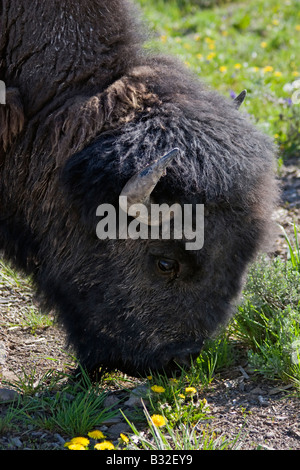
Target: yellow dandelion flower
x=199, y=56
x=276, y=136
x=223, y=68
x=158, y=389
x=275, y=22
x=268, y=68
x=105, y=445
x=76, y=447
x=209, y=40
x=187, y=46
x=297, y=27
x=211, y=56
x=158, y=420
x=277, y=73
x=190, y=390
x=163, y=38
x=295, y=73
x=186, y=62
x=212, y=46
x=197, y=37
x=263, y=44
x=224, y=33
x=181, y=396
x=82, y=441
x=173, y=380
x=124, y=438
x=255, y=69
x=237, y=66
x=96, y=434
x=149, y=377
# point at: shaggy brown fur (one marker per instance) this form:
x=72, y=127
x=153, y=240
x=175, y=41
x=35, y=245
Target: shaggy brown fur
x=86, y=109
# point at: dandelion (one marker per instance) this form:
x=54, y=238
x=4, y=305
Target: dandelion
x=255, y=69
x=77, y=441
x=276, y=136
x=163, y=38
x=268, y=68
x=124, y=438
x=199, y=56
x=211, y=56
x=275, y=22
x=76, y=447
x=212, y=46
x=223, y=69
x=237, y=66
x=187, y=46
x=181, y=396
x=158, y=420
x=190, y=390
x=277, y=73
x=173, y=380
x=209, y=40
x=263, y=44
x=295, y=73
x=158, y=389
x=96, y=434
x=149, y=377
x=105, y=445
x=297, y=27
x=224, y=33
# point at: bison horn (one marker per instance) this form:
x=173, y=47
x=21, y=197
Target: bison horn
x=140, y=186
x=238, y=100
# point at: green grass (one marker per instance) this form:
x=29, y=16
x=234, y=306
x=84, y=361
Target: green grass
x=251, y=45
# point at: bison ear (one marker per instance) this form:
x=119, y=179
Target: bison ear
x=240, y=98
x=11, y=117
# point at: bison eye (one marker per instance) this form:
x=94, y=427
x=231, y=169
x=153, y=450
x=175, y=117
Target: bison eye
x=168, y=266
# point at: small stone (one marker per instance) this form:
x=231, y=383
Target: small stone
x=137, y=395
x=115, y=430
x=262, y=401
x=110, y=401
x=111, y=421
x=16, y=442
x=7, y=395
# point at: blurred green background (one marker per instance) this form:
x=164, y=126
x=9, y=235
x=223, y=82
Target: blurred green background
x=253, y=45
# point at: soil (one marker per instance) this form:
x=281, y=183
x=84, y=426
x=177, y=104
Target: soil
x=264, y=414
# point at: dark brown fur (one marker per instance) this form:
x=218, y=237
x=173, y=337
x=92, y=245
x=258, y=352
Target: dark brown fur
x=86, y=109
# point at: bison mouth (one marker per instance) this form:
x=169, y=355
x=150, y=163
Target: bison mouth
x=169, y=360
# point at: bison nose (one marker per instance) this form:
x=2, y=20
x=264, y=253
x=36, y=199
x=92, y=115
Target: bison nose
x=184, y=356
x=184, y=361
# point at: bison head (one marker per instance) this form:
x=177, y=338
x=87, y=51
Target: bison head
x=149, y=304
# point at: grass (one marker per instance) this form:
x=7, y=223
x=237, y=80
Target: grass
x=250, y=45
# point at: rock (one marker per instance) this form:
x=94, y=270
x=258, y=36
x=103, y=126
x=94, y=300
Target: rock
x=115, y=430
x=137, y=396
x=7, y=395
x=16, y=442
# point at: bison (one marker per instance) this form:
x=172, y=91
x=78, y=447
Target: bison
x=88, y=113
